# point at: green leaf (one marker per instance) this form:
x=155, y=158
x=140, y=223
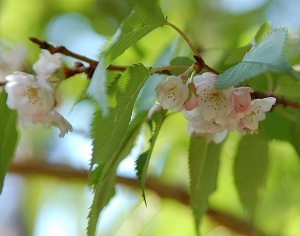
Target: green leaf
x=103, y=177
x=97, y=87
x=267, y=55
x=295, y=133
x=108, y=131
x=143, y=160
x=203, y=167
x=181, y=61
x=103, y=193
x=263, y=29
x=145, y=17
x=8, y=137
x=250, y=167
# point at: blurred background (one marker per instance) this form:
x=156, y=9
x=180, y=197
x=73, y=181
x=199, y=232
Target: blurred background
x=46, y=191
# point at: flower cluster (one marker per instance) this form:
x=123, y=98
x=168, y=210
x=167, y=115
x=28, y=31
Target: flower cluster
x=33, y=97
x=212, y=112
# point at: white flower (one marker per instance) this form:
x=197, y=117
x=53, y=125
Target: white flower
x=30, y=97
x=256, y=112
x=47, y=64
x=213, y=102
x=172, y=93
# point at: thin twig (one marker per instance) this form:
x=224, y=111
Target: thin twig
x=161, y=189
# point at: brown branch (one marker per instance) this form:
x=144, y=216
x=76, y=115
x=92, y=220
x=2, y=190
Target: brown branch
x=161, y=189
x=88, y=70
x=61, y=49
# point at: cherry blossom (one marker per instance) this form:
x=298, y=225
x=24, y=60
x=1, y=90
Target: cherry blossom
x=212, y=102
x=47, y=64
x=28, y=95
x=255, y=113
x=212, y=112
x=172, y=93
x=34, y=101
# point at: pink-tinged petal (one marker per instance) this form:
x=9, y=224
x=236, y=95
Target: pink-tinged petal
x=191, y=103
x=242, y=98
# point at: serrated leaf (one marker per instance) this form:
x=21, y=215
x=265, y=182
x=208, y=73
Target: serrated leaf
x=267, y=55
x=97, y=87
x=103, y=177
x=181, y=61
x=108, y=131
x=8, y=137
x=203, y=168
x=143, y=160
x=145, y=17
x=250, y=168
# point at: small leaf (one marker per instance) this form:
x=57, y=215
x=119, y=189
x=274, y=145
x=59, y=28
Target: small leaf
x=108, y=131
x=250, y=167
x=143, y=160
x=8, y=137
x=181, y=61
x=263, y=29
x=97, y=87
x=267, y=55
x=203, y=167
x=146, y=17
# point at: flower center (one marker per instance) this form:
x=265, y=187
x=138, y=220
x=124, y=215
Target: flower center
x=170, y=94
x=31, y=93
x=214, y=99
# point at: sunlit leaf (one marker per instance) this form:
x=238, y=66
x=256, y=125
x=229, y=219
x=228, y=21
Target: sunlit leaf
x=8, y=136
x=267, y=55
x=143, y=160
x=146, y=17
x=250, y=168
x=97, y=87
x=103, y=177
x=203, y=167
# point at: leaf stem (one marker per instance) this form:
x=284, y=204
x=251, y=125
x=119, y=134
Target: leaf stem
x=185, y=37
x=197, y=56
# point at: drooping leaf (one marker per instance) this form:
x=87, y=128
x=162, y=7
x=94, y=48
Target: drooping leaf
x=8, y=136
x=108, y=131
x=145, y=17
x=103, y=177
x=250, y=168
x=181, y=61
x=203, y=168
x=267, y=55
x=143, y=160
x=97, y=87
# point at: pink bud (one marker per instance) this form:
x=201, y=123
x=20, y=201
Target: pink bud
x=191, y=102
